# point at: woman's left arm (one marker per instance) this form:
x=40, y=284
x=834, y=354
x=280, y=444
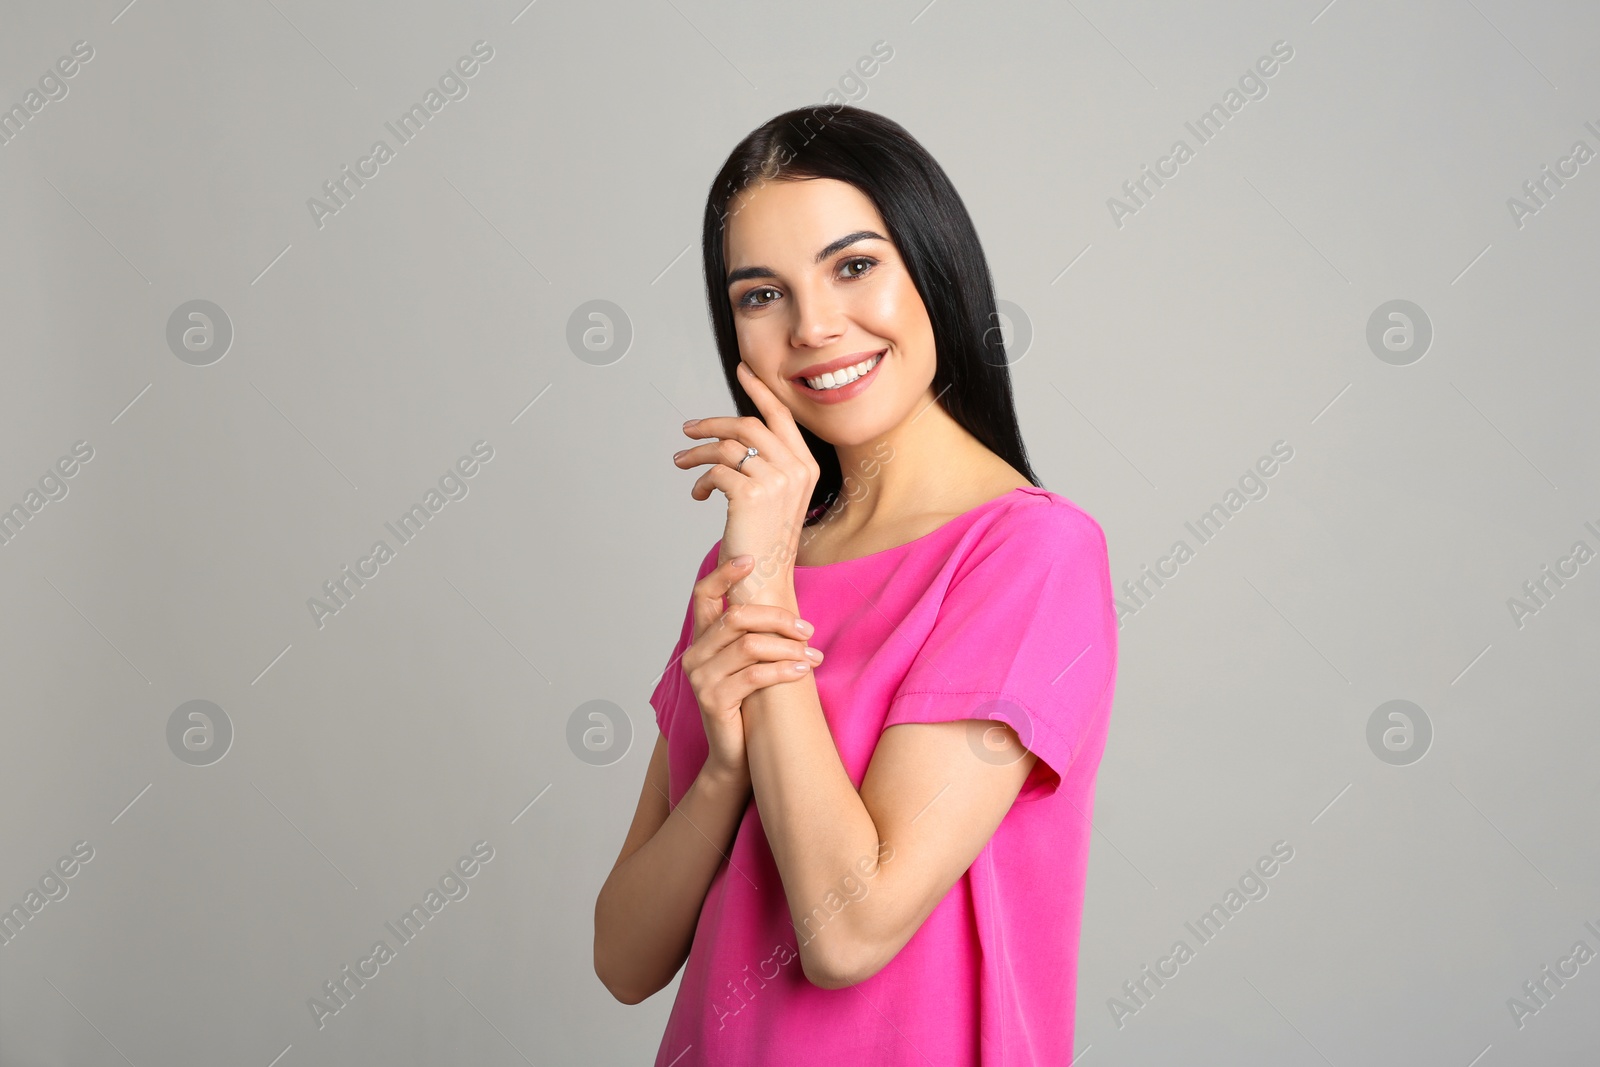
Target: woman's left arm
x=928, y=804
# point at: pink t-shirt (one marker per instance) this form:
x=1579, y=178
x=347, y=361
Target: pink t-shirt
x=1004, y=612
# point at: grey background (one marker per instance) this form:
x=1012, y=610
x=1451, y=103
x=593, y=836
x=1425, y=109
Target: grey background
x=432, y=712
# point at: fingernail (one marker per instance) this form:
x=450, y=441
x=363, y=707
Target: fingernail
x=802, y=666
x=814, y=653
x=740, y=561
x=803, y=626
x=679, y=455
x=690, y=423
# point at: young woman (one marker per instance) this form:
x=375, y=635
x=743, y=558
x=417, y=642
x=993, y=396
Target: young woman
x=877, y=855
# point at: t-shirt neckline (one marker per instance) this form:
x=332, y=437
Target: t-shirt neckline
x=969, y=513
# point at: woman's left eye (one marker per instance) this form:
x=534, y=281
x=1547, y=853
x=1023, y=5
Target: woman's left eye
x=859, y=259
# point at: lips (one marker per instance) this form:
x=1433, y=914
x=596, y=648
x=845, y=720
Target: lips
x=840, y=394
x=817, y=370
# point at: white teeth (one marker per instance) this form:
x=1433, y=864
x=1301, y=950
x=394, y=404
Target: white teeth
x=834, y=379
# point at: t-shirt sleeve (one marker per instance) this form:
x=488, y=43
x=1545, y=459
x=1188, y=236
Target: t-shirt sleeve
x=672, y=683
x=1026, y=634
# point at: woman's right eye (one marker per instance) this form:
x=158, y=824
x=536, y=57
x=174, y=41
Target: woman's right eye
x=749, y=302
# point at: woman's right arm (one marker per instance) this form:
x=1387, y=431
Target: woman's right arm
x=646, y=913
x=645, y=916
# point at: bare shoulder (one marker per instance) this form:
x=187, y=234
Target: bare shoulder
x=1001, y=479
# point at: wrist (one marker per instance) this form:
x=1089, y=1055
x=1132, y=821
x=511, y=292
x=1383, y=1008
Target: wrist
x=775, y=594
x=772, y=572
x=774, y=588
x=724, y=781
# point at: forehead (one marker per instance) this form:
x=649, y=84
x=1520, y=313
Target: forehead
x=792, y=220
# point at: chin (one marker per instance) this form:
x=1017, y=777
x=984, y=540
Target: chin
x=858, y=428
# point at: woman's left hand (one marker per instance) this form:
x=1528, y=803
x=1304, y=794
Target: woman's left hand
x=769, y=496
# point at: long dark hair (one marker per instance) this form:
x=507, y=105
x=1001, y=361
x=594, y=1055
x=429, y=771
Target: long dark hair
x=930, y=227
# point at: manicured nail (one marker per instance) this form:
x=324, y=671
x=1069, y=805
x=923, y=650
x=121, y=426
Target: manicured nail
x=802, y=666
x=690, y=423
x=740, y=561
x=814, y=654
x=679, y=455
x=803, y=626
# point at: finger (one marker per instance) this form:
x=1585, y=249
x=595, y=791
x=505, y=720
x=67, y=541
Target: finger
x=739, y=651
x=728, y=691
x=779, y=419
x=720, y=477
x=736, y=639
x=762, y=675
x=727, y=451
x=710, y=590
x=746, y=428
x=767, y=618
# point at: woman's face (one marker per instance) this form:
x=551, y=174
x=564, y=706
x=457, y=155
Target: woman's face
x=816, y=281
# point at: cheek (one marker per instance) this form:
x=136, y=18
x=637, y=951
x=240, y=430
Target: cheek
x=894, y=305
x=755, y=335
x=899, y=314
x=897, y=310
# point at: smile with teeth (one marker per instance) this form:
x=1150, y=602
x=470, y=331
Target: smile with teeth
x=835, y=379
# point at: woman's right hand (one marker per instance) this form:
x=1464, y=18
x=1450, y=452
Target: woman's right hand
x=733, y=654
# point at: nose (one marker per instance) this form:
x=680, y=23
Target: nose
x=818, y=319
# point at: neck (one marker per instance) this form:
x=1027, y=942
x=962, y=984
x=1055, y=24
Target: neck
x=927, y=463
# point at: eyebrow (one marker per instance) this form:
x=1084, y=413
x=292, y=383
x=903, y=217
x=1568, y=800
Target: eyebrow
x=836, y=246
